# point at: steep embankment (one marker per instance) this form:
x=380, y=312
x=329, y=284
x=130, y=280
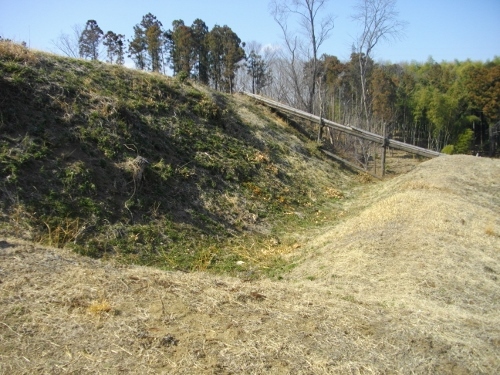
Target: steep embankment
x=406, y=282
x=222, y=178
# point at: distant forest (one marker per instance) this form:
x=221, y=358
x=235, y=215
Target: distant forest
x=452, y=107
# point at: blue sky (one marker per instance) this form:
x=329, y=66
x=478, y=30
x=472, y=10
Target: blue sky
x=445, y=30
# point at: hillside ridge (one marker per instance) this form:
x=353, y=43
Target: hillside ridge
x=220, y=170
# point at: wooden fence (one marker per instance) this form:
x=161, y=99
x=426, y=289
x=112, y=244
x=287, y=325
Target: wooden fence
x=377, y=138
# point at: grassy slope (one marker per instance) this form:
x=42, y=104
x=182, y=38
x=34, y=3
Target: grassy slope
x=407, y=282
x=223, y=176
x=403, y=279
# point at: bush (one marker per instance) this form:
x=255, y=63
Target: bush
x=464, y=142
x=182, y=76
x=448, y=149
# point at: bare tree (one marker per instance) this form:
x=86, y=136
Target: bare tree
x=379, y=21
x=279, y=89
x=268, y=53
x=306, y=49
x=243, y=79
x=69, y=43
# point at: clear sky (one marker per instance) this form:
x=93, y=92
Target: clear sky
x=445, y=30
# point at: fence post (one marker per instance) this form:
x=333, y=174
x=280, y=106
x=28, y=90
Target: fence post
x=320, y=130
x=384, y=145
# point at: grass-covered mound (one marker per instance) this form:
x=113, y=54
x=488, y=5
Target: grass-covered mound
x=406, y=282
x=224, y=176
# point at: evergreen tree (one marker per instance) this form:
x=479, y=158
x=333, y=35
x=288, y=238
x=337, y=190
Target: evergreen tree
x=89, y=40
x=258, y=71
x=137, y=50
x=182, y=48
x=199, y=32
x=114, y=46
x=225, y=52
x=215, y=55
x=153, y=34
x=233, y=56
x=146, y=48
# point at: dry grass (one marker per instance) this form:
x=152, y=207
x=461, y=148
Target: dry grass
x=18, y=52
x=99, y=307
x=406, y=283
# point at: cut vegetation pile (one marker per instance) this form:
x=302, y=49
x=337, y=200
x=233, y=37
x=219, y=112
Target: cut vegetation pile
x=396, y=277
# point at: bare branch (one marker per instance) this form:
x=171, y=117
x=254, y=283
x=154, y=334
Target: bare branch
x=303, y=52
x=379, y=20
x=68, y=44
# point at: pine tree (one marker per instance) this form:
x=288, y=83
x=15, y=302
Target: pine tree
x=215, y=55
x=137, y=50
x=182, y=48
x=199, y=32
x=258, y=71
x=225, y=52
x=234, y=54
x=153, y=34
x=146, y=48
x=89, y=40
x=114, y=45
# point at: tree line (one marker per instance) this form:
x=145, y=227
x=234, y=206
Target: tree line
x=211, y=57
x=450, y=106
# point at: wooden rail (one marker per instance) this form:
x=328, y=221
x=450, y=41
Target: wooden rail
x=384, y=141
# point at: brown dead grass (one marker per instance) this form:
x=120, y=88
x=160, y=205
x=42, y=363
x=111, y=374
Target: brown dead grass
x=18, y=52
x=406, y=283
